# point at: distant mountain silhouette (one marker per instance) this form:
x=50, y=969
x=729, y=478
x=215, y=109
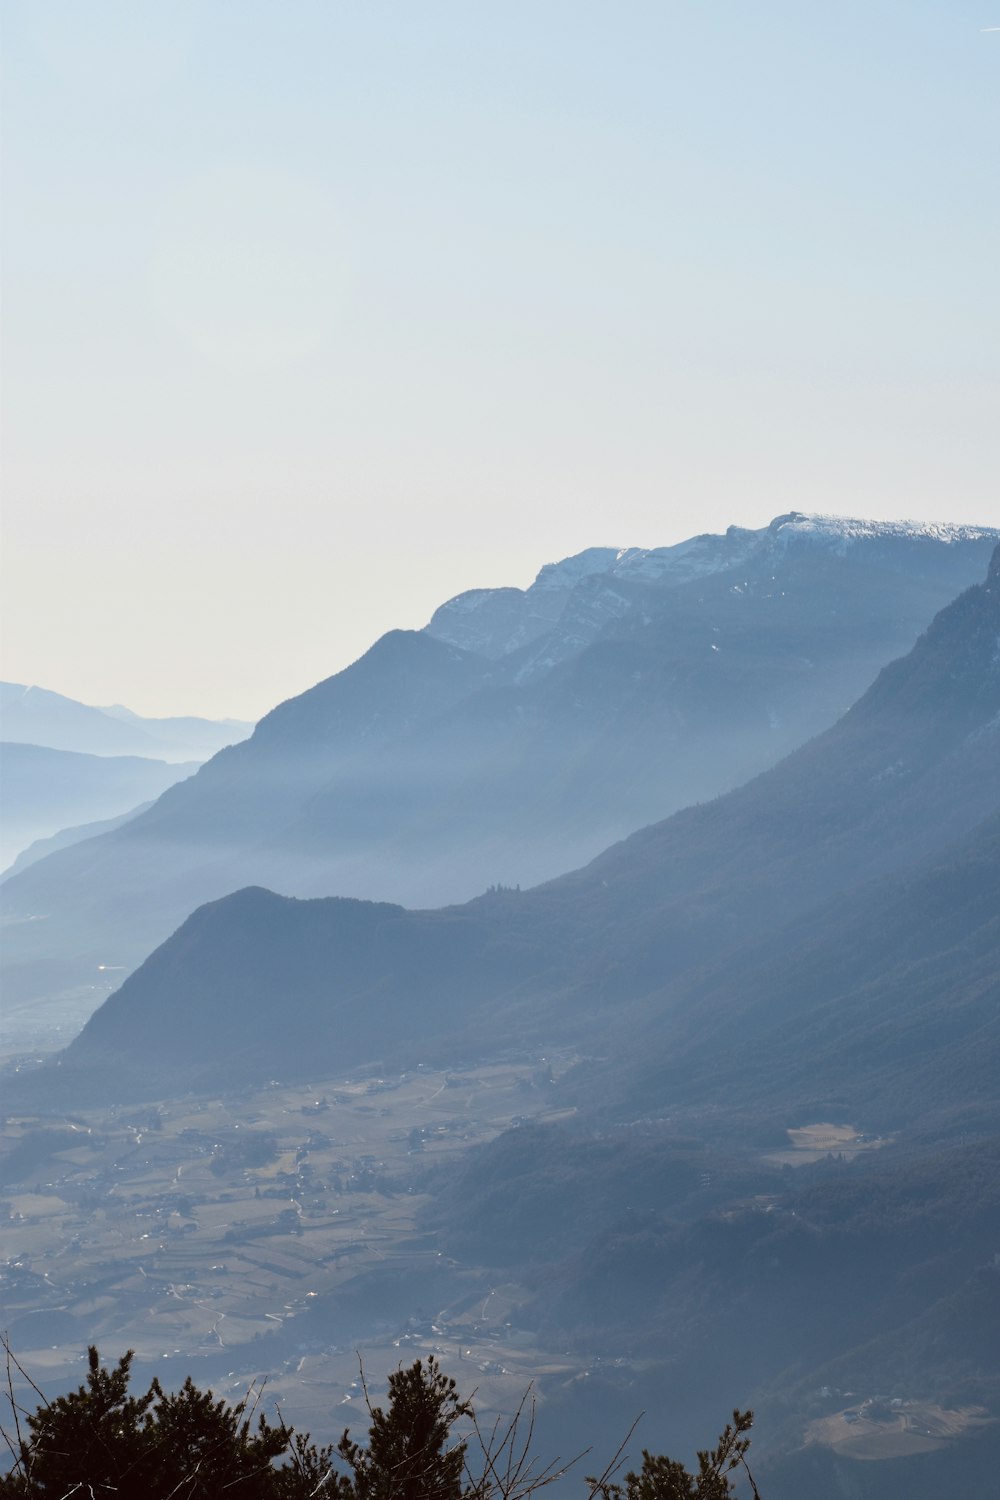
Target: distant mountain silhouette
x=516, y=737
x=37, y=716
x=75, y=834
x=904, y=791
x=822, y=944
x=43, y=791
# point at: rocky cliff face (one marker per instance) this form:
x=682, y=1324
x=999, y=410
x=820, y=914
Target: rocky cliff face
x=573, y=601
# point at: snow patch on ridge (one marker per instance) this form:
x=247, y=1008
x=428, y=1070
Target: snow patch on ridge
x=847, y=529
x=567, y=573
x=567, y=595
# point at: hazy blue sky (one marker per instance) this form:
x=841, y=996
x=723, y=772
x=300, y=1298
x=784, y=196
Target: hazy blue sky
x=317, y=313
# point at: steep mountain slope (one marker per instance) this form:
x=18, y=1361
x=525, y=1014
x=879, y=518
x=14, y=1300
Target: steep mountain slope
x=881, y=1011
x=811, y=1291
x=911, y=771
x=619, y=687
x=822, y=944
x=883, y=1005
x=571, y=602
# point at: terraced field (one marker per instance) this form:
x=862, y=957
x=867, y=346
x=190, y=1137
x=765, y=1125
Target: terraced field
x=228, y=1236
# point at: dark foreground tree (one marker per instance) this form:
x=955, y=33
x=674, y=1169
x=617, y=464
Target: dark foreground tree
x=408, y=1456
x=100, y=1440
x=662, y=1478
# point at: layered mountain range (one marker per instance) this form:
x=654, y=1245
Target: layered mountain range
x=32, y=715
x=516, y=736
x=45, y=791
x=69, y=771
x=820, y=944
x=690, y=929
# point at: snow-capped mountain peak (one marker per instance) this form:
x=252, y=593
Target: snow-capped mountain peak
x=578, y=595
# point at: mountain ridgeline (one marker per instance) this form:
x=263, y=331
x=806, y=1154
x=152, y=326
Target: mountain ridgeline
x=36, y=716
x=518, y=735
x=47, y=791
x=814, y=954
x=892, y=812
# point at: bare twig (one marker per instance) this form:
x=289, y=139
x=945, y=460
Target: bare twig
x=756, y=1491
x=598, y=1486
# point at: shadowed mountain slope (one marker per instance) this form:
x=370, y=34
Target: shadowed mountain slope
x=881, y=1004
x=523, y=732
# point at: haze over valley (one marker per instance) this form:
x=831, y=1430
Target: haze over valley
x=717, y=1107
x=516, y=736
x=500, y=751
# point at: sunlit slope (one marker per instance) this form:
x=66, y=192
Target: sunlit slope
x=257, y=981
x=514, y=739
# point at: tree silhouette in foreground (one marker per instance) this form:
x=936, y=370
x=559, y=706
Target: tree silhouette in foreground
x=101, y=1440
x=662, y=1478
x=408, y=1456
